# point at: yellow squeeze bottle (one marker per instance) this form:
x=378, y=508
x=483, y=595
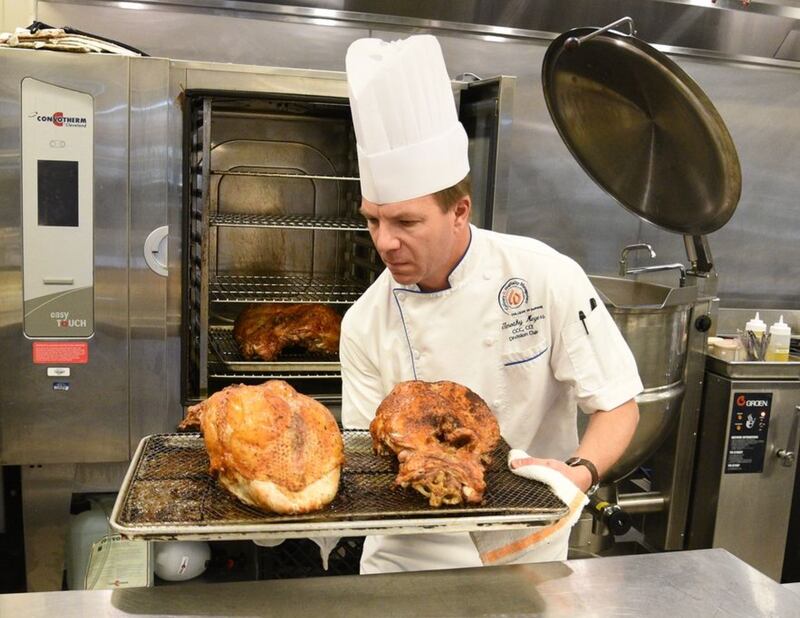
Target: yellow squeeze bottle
x=780, y=336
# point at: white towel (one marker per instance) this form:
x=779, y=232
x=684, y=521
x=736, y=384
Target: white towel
x=540, y=543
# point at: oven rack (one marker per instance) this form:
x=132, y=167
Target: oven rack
x=284, y=288
x=304, y=222
x=283, y=175
x=219, y=370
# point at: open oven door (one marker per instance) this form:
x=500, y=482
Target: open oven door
x=485, y=110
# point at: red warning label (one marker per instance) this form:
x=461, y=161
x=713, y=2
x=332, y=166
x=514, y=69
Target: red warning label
x=67, y=352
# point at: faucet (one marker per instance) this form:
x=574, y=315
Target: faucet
x=651, y=269
x=623, y=257
x=623, y=263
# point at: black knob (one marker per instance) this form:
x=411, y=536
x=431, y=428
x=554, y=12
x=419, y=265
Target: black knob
x=703, y=323
x=616, y=520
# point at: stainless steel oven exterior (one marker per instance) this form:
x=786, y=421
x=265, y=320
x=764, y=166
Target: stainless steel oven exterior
x=82, y=411
x=72, y=421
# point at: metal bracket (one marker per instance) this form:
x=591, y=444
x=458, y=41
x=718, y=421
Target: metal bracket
x=468, y=77
x=699, y=253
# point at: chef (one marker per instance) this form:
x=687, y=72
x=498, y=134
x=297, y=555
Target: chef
x=506, y=316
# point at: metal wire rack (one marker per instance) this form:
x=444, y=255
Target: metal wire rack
x=227, y=350
x=284, y=288
x=168, y=494
x=304, y=222
x=220, y=371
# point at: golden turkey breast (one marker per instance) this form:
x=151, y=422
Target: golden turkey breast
x=270, y=446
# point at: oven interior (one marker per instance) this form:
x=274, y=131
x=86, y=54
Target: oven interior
x=271, y=199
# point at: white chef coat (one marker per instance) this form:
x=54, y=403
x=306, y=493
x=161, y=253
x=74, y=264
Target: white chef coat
x=510, y=328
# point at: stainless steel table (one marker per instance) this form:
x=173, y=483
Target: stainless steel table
x=708, y=582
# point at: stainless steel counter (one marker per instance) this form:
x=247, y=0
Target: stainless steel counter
x=794, y=587
x=692, y=583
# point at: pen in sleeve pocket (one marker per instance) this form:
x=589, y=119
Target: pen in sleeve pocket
x=582, y=318
x=593, y=303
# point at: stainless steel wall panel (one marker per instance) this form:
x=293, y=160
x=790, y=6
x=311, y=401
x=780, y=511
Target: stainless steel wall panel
x=760, y=28
x=729, y=320
x=756, y=254
x=88, y=422
x=149, y=168
x=220, y=36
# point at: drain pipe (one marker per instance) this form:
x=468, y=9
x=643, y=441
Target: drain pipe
x=644, y=502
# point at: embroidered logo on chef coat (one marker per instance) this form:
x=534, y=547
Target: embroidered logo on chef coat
x=524, y=325
x=513, y=295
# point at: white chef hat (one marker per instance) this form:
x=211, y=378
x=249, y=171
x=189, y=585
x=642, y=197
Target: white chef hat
x=409, y=140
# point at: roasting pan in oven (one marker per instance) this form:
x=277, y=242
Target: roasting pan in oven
x=168, y=494
x=227, y=350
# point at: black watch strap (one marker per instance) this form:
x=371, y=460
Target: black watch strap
x=579, y=461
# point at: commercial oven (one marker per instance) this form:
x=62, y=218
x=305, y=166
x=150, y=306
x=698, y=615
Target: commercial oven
x=144, y=202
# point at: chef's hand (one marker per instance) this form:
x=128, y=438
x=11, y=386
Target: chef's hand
x=579, y=475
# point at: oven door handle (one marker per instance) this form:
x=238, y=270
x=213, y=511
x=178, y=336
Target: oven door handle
x=155, y=250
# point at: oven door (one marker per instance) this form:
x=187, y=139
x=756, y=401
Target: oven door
x=485, y=109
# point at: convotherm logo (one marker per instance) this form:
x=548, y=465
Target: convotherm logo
x=60, y=120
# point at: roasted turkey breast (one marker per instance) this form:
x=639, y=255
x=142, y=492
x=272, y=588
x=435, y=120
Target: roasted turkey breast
x=442, y=433
x=264, y=330
x=270, y=446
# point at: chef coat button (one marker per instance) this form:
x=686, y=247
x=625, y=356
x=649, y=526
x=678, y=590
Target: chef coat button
x=488, y=342
x=487, y=275
x=416, y=355
x=497, y=403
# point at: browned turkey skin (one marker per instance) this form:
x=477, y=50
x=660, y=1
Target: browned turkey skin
x=264, y=330
x=442, y=434
x=270, y=446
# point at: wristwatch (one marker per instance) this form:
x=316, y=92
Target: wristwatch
x=579, y=461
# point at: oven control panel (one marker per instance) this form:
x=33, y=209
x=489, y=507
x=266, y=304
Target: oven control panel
x=57, y=211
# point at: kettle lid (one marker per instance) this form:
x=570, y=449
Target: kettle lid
x=643, y=130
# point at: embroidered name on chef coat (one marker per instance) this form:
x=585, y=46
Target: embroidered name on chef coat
x=522, y=321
